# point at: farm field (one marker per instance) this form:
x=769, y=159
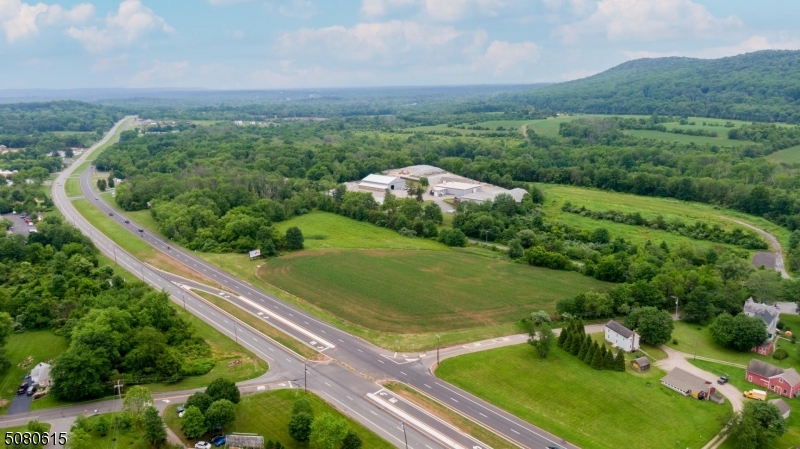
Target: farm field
x=557, y=394
x=421, y=291
x=649, y=207
x=738, y=380
x=790, y=155
x=325, y=230
x=549, y=126
x=722, y=140
x=508, y=125
x=690, y=338
x=268, y=414
x=41, y=346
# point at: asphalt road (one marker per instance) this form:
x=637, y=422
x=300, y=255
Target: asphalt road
x=352, y=388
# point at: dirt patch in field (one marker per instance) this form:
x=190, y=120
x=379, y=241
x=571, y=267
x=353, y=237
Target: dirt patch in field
x=764, y=258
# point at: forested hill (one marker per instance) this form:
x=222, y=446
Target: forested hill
x=759, y=86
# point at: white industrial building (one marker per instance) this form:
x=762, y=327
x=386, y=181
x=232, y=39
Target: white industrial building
x=480, y=197
x=455, y=188
x=621, y=337
x=381, y=183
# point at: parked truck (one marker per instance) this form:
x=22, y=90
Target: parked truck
x=759, y=395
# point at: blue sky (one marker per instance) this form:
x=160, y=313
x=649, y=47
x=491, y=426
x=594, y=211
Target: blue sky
x=257, y=44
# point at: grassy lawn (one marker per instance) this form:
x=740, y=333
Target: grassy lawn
x=650, y=207
x=132, y=438
x=654, y=353
x=41, y=346
x=466, y=425
x=508, y=125
x=738, y=380
x=73, y=187
x=267, y=414
x=689, y=338
x=790, y=155
x=721, y=140
x=22, y=428
x=324, y=230
x=598, y=409
x=421, y=291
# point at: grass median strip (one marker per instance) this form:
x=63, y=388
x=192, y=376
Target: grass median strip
x=464, y=424
x=73, y=187
x=265, y=328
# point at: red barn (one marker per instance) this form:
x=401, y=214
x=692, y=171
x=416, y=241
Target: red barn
x=773, y=378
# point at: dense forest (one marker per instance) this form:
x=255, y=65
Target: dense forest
x=117, y=329
x=759, y=86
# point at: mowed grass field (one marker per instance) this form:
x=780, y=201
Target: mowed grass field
x=324, y=230
x=589, y=408
x=421, y=291
x=649, y=207
x=73, y=187
x=508, y=125
x=790, y=155
x=268, y=414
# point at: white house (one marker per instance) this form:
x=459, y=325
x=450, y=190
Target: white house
x=40, y=374
x=381, y=183
x=770, y=315
x=455, y=188
x=621, y=337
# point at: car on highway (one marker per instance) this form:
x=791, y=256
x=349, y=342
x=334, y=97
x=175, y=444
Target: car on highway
x=127, y=221
x=202, y=445
x=141, y=230
x=111, y=214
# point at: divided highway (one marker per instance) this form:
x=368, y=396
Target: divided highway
x=352, y=390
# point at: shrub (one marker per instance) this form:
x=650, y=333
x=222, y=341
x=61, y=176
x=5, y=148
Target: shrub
x=780, y=354
x=674, y=341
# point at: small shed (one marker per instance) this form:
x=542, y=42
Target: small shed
x=640, y=364
x=782, y=406
x=687, y=384
x=244, y=441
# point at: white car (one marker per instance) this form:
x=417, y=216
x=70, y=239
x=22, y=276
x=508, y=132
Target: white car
x=202, y=445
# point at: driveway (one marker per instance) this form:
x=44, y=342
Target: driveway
x=676, y=359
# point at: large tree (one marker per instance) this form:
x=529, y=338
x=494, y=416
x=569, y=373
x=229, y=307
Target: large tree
x=653, y=325
x=137, y=398
x=328, y=431
x=200, y=400
x=80, y=373
x=541, y=337
x=153, y=426
x=300, y=426
x=220, y=413
x=193, y=423
x=740, y=332
x=223, y=389
x=294, y=238
x=756, y=425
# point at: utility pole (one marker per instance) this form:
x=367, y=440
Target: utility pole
x=115, y=255
x=118, y=387
x=676, y=306
x=142, y=268
x=184, y=300
x=305, y=376
x=438, y=341
x=235, y=332
x=404, y=433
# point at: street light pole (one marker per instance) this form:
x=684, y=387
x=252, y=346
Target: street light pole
x=438, y=342
x=305, y=376
x=235, y=332
x=184, y=300
x=676, y=306
x=404, y=433
x=115, y=255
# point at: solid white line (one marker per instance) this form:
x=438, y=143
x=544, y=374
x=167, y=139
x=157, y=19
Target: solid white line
x=415, y=422
x=289, y=323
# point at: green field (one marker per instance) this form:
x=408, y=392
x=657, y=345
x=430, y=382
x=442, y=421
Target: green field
x=549, y=126
x=73, y=187
x=738, y=380
x=649, y=207
x=267, y=414
x=722, y=140
x=421, y=291
x=41, y=346
x=691, y=339
x=589, y=408
x=790, y=155
x=132, y=438
x=508, y=125
x=324, y=230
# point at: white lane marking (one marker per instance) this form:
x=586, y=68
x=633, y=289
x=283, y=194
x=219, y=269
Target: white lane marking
x=359, y=350
x=408, y=419
x=326, y=383
x=453, y=400
x=288, y=323
x=380, y=360
x=341, y=341
x=515, y=431
x=427, y=385
x=482, y=415
x=348, y=397
x=403, y=373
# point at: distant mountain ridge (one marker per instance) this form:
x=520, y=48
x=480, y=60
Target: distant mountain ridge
x=759, y=86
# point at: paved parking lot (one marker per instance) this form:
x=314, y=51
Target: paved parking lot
x=19, y=227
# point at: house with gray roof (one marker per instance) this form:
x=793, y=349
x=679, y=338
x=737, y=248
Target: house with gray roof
x=785, y=382
x=770, y=315
x=782, y=406
x=688, y=384
x=621, y=337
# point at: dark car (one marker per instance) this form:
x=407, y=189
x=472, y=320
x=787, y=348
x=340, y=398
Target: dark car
x=220, y=441
x=32, y=389
x=723, y=380
x=127, y=221
x=22, y=388
x=111, y=214
x=141, y=230
x=214, y=438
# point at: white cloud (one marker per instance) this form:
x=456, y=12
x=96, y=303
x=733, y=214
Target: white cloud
x=132, y=20
x=577, y=6
x=22, y=20
x=438, y=10
x=502, y=55
x=649, y=19
x=110, y=63
x=227, y=2
x=751, y=44
x=161, y=73
x=298, y=9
